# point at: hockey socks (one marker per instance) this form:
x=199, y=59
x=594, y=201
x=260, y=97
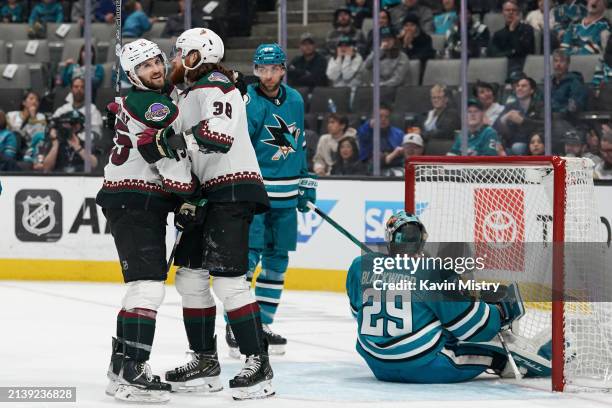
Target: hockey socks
x=138, y=332
x=246, y=326
x=268, y=293
x=200, y=328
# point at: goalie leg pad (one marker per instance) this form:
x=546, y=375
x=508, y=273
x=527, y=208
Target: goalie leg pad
x=194, y=287
x=144, y=295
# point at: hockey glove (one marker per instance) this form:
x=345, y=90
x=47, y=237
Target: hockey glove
x=190, y=215
x=209, y=141
x=509, y=303
x=239, y=82
x=307, y=192
x=154, y=144
x=112, y=109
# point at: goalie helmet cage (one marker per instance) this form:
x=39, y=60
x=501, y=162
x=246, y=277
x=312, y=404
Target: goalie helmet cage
x=555, y=190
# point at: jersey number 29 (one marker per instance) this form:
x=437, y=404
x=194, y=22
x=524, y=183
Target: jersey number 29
x=386, y=312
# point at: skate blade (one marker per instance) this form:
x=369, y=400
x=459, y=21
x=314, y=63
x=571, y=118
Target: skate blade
x=276, y=350
x=234, y=352
x=258, y=391
x=111, y=388
x=208, y=384
x=128, y=393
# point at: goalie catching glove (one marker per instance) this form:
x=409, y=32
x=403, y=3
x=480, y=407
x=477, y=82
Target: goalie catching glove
x=307, y=192
x=190, y=215
x=508, y=301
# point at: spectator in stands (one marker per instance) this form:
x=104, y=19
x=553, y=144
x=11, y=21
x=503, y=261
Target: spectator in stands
x=77, y=69
x=47, y=11
x=103, y=11
x=592, y=140
x=485, y=93
x=564, y=14
x=442, y=121
x=347, y=161
x=478, y=38
x=603, y=71
x=569, y=95
x=536, y=144
x=12, y=12
x=360, y=9
x=589, y=36
x=384, y=20
x=423, y=13
x=412, y=145
x=603, y=170
x=575, y=145
x=77, y=91
x=343, y=26
x=445, y=21
x=416, y=43
x=521, y=117
x=535, y=18
x=390, y=139
x=8, y=146
x=344, y=68
x=337, y=128
x=394, y=64
x=27, y=122
x=482, y=139
x=515, y=41
x=309, y=68
x=64, y=149
x=175, y=25
x=137, y=22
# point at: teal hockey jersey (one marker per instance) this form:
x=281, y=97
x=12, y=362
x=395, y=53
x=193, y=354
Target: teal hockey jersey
x=402, y=327
x=276, y=127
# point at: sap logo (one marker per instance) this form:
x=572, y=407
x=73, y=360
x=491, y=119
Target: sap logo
x=377, y=212
x=309, y=223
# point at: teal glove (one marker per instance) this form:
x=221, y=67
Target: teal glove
x=307, y=192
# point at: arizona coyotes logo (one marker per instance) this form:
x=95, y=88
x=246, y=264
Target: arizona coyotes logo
x=284, y=137
x=38, y=215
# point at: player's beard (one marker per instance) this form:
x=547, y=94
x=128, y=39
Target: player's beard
x=177, y=75
x=271, y=89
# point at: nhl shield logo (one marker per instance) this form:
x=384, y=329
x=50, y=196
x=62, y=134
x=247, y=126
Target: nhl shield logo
x=38, y=215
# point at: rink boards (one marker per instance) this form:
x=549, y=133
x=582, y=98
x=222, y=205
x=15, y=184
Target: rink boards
x=52, y=229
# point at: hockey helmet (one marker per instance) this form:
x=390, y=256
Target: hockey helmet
x=405, y=229
x=135, y=53
x=205, y=41
x=269, y=54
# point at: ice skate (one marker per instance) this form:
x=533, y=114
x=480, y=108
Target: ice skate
x=276, y=342
x=137, y=384
x=201, y=374
x=234, y=351
x=254, y=381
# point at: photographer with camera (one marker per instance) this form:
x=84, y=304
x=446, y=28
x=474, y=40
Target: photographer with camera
x=64, y=149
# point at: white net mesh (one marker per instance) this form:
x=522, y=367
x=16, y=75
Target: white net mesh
x=496, y=206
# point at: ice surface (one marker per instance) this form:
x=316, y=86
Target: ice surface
x=59, y=334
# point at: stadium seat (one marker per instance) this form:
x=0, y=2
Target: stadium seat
x=362, y=101
x=156, y=31
x=585, y=64
x=537, y=38
x=21, y=80
x=494, y=21
x=13, y=32
x=72, y=46
x=103, y=32
x=321, y=96
x=438, y=42
x=415, y=99
x=11, y=98
x=3, y=54
x=487, y=69
x=534, y=67
x=18, y=55
x=445, y=72
x=438, y=147
x=414, y=73
x=74, y=32
x=163, y=8
x=108, y=75
x=166, y=45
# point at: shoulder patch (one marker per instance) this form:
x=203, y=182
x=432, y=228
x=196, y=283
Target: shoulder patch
x=156, y=112
x=218, y=77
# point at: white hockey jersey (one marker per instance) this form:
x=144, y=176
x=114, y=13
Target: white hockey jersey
x=131, y=182
x=214, y=110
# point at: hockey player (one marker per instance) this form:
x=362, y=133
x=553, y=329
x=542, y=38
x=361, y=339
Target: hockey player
x=276, y=125
x=213, y=128
x=420, y=336
x=136, y=197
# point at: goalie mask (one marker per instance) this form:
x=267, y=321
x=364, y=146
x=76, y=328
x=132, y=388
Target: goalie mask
x=137, y=52
x=405, y=233
x=203, y=40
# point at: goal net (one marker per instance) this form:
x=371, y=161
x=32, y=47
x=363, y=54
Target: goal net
x=533, y=220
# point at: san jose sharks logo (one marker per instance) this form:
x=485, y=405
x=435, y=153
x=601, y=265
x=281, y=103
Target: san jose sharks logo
x=283, y=136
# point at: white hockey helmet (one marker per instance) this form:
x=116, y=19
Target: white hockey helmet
x=205, y=41
x=137, y=52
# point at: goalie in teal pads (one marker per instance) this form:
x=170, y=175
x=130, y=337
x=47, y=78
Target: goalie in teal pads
x=414, y=335
x=275, y=114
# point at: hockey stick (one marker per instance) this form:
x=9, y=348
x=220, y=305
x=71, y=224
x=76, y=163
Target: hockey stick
x=339, y=227
x=517, y=373
x=118, y=39
x=176, y=244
